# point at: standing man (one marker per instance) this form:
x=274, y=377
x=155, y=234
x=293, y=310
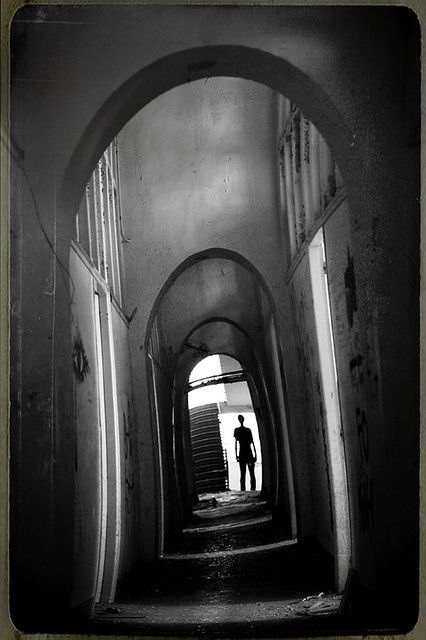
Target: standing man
x=245, y=455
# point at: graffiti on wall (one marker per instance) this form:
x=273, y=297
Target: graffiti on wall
x=129, y=479
x=80, y=360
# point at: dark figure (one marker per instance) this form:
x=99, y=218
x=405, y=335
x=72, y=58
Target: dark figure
x=245, y=456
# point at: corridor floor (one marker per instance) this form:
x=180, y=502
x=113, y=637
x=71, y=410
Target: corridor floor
x=232, y=574
x=228, y=521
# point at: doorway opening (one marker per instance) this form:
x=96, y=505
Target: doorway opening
x=219, y=380
x=330, y=392
x=231, y=511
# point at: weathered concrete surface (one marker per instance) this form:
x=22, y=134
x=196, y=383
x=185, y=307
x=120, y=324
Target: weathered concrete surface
x=277, y=590
x=235, y=519
x=288, y=616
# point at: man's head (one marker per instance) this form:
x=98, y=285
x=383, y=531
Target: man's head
x=241, y=419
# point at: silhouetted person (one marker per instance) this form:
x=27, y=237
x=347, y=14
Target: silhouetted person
x=245, y=455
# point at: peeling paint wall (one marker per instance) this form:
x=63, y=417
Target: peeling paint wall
x=88, y=446
x=357, y=372
x=369, y=340
x=87, y=453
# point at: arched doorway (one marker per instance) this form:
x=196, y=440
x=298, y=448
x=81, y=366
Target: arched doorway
x=206, y=386
x=215, y=320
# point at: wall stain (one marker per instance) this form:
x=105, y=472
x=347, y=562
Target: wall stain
x=350, y=289
x=365, y=482
x=355, y=368
x=303, y=342
x=325, y=449
x=129, y=480
x=375, y=230
x=307, y=140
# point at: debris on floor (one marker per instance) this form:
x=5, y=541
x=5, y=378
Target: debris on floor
x=318, y=605
x=110, y=611
x=196, y=589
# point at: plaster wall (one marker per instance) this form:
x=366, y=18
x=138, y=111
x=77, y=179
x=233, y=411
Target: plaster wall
x=130, y=516
x=168, y=518
x=315, y=418
x=202, y=180
x=368, y=371
x=87, y=455
x=198, y=171
x=212, y=288
x=88, y=450
x=237, y=394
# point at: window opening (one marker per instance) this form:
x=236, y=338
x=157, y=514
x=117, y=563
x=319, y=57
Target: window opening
x=309, y=177
x=98, y=224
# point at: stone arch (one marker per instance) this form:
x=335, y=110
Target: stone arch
x=211, y=253
x=273, y=429
x=261, y=402
x=194, y=64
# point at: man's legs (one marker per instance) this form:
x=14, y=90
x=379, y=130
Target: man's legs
x=243, y=464
x=252, y=476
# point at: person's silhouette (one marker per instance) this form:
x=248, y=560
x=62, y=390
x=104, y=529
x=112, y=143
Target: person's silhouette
x=244, y=453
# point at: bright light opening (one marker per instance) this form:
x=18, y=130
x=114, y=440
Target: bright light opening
x=232, y=399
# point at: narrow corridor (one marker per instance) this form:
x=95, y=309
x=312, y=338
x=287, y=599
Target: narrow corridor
x=214, y=270
x=231, y=521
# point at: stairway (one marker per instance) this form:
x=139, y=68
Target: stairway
x=210, y=464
